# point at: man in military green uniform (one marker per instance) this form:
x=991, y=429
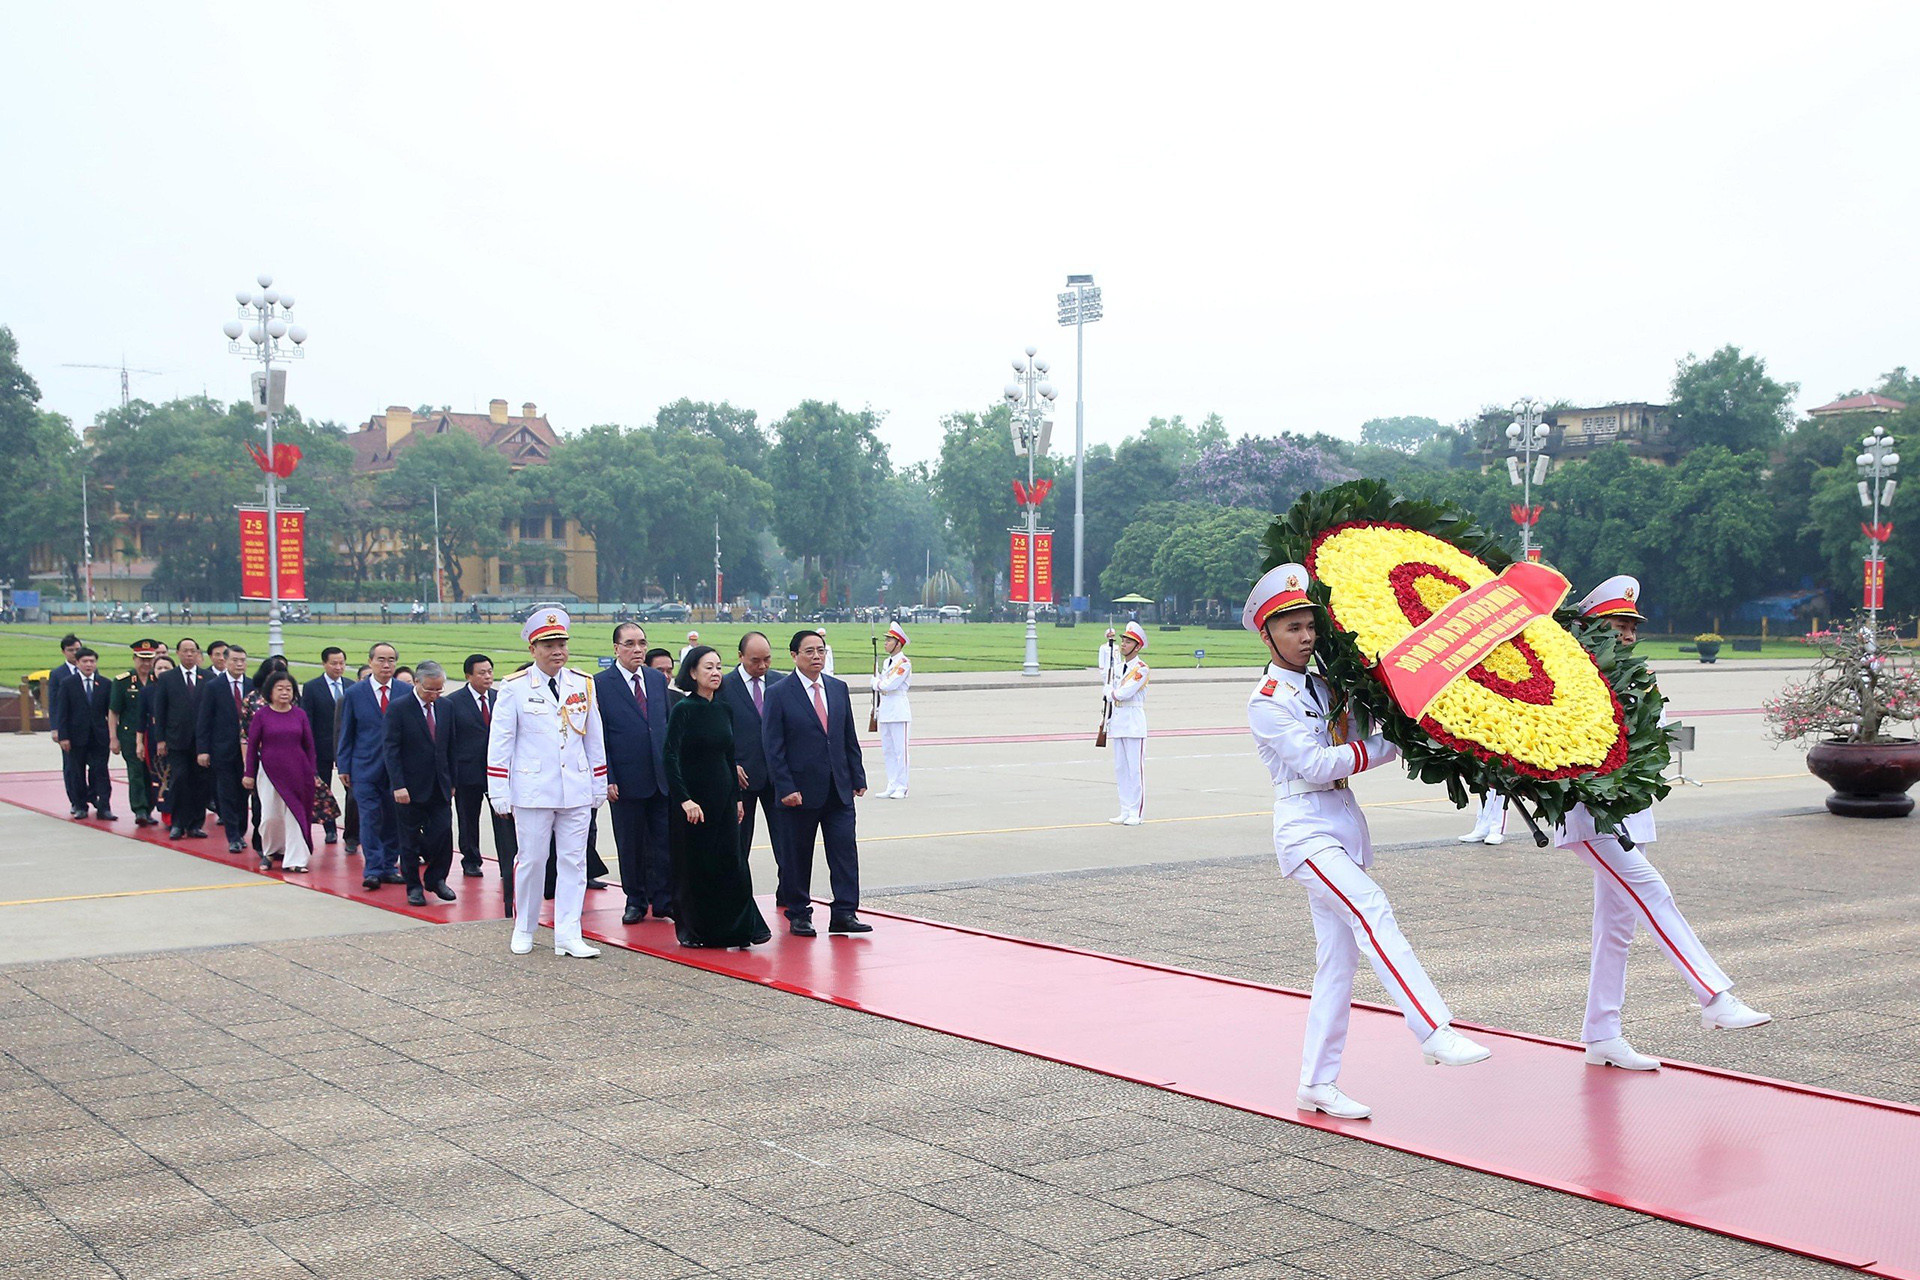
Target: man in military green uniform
x=123, y=729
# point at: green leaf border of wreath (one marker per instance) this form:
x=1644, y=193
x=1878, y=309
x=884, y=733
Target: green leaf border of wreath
x=1609, y=797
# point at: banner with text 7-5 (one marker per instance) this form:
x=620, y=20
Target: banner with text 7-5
x=1042, y=567
x=253, y=554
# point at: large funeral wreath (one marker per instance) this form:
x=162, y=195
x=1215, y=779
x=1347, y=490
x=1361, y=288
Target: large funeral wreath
x=1559, y=715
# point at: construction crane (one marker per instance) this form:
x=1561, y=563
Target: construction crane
x=125, y=396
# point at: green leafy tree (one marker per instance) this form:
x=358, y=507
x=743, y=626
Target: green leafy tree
x=826, y=467
x=973, y=488
x=1711, y=541
x=1120, y=484
x=741, y=438
x=1131, y=569
x=477, y=494
x=43, y=457
x=1403, y=435
x=1180, y=443
x=908, y=531
x=1211, y=553
x=1728, y=399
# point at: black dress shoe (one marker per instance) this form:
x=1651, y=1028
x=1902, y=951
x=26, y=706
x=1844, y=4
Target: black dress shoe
x=596, y=884
x=105, y=815
x=443, y=893
x=175, y=833
x=196, y=833
x=392, y=877
x=233, y=846
x=848, y=924
x=415, y=898
x=333, y=837
x=353, y=849
x=371, y=882
x=803, y=929
x=77, y=813
x=142, y=820
x=470, y=869
x=633, y=914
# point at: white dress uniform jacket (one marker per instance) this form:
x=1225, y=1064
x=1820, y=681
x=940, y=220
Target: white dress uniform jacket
x=1313, y=812
x=1580, y=827
x=543, y=753
x=1127, y=687
x=896, y=674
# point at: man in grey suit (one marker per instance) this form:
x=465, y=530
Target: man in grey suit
x=744, y=691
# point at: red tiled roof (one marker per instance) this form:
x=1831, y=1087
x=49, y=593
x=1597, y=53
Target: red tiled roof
x=1858, y=404
x=521, y=441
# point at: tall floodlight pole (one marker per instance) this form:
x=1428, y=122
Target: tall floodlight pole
x=1079, y=307
x=1877, y=462
x=439, y=570
x=717, y=584
x=1030, y=397
x=263, y=320
x=1527, y=465
x=86, y=542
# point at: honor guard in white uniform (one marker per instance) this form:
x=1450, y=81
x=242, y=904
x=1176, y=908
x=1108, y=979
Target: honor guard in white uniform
x=828, y=669
x=1127, y=725
x=1322, y=843
x=891, y=683
x=1629, y=894
x=1108, y=655
x=547, y=765
x=1491, y=826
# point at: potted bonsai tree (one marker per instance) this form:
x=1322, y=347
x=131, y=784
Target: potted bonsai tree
x=1708, y=644
x=1864, y=684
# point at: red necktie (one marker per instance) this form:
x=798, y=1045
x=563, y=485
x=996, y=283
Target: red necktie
x=820, y=708
x=640, y=692
x=236, y=695
x=383, y=699
x=428, y=706
x=486, y=711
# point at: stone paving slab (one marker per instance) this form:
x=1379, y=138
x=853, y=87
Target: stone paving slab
x=421, y=1104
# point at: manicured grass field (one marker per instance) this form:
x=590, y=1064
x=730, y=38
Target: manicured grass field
x=936, y=647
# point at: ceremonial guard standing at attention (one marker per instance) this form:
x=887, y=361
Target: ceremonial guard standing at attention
x=896, y=715
x=126, y=718
x=1127, y=725
x=1629, y=893
x=547, y=765
x=1310, y=749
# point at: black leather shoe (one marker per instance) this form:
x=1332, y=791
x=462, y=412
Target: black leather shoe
x=415, y=898
x=142, y=820
x=196, y=833
x=633, y=915
x=392, y=877
x=175, y=833
x=470, y=869
x=105, y=815
x=596, y=884
x=848, y=924
x=658, y=914
x=77, y=813
x=803, y=929
x=353, y=850
x=443, y=893
x=371, y=882
x=333, y=837
x=233, y=846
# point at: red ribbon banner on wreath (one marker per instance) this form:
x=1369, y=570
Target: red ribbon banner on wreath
x=1878, y=532
x=1471, y=625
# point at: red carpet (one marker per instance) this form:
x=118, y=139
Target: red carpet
x=1801, y=1169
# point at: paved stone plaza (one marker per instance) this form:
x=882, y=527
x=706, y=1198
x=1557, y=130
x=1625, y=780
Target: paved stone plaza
x=369, y=1097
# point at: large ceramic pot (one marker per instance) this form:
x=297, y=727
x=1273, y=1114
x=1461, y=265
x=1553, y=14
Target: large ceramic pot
x=1709, y=652
x=1869, y=779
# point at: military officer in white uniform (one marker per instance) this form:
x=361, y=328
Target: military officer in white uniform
x=1107, y=655
x=1491, y=826
x=547, y=765
x=891, y=683
x=1628, y=894
x=1322, y=842
x=1127, y=725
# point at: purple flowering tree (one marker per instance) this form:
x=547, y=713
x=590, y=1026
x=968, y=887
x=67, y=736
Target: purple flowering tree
x=1264, y=473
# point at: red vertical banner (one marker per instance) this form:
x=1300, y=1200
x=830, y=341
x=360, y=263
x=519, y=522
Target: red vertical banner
x=1017, y=575
x=1875, y=594
x=253, y=553
x=1533, y=554
x=254, y=583
x=1043, y=567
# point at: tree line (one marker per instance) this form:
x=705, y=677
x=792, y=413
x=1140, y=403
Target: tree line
x=1755, y=502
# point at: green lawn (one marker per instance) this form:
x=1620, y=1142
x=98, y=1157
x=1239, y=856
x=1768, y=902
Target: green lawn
x=936, y=647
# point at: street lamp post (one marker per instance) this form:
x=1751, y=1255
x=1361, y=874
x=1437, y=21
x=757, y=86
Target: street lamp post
x=1526, y=464
x=1877, y=462
x=1079, y=307
x=86, y=543
x=263, y=320
x=1030, y=397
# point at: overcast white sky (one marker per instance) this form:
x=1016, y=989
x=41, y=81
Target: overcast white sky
x=1300, y=219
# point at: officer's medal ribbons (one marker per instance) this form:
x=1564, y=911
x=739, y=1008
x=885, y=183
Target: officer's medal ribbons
x=574, y=710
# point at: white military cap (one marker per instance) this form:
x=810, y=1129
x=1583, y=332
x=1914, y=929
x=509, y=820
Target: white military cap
x=1281, y=589
x=1134, y=633
x=1617, y=597
x=894, y=630
x=546, y=622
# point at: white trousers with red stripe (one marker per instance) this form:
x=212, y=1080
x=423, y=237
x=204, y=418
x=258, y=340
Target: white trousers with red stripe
x=1629, y=894
x=893, y=746
x=563, y=832
x=1351, y=916
x=1130, y=774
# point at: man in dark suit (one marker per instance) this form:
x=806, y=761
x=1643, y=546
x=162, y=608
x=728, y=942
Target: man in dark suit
x=813, y=757
x=633, y=717
x=59, y=673
x=320, y=699
x=176, y=714
x=469, y=713
x=744, y=693
x=420, y=771
x=79, y=715
x=360, y=754
x=220, y=744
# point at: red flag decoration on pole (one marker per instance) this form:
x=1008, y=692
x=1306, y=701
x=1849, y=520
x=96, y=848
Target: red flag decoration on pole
x=1527, y=516
x=1875, y=594
x=254, y=583
x=1040, y=490
x=285, y=458
x=1020, y=493
x=1878, y=532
